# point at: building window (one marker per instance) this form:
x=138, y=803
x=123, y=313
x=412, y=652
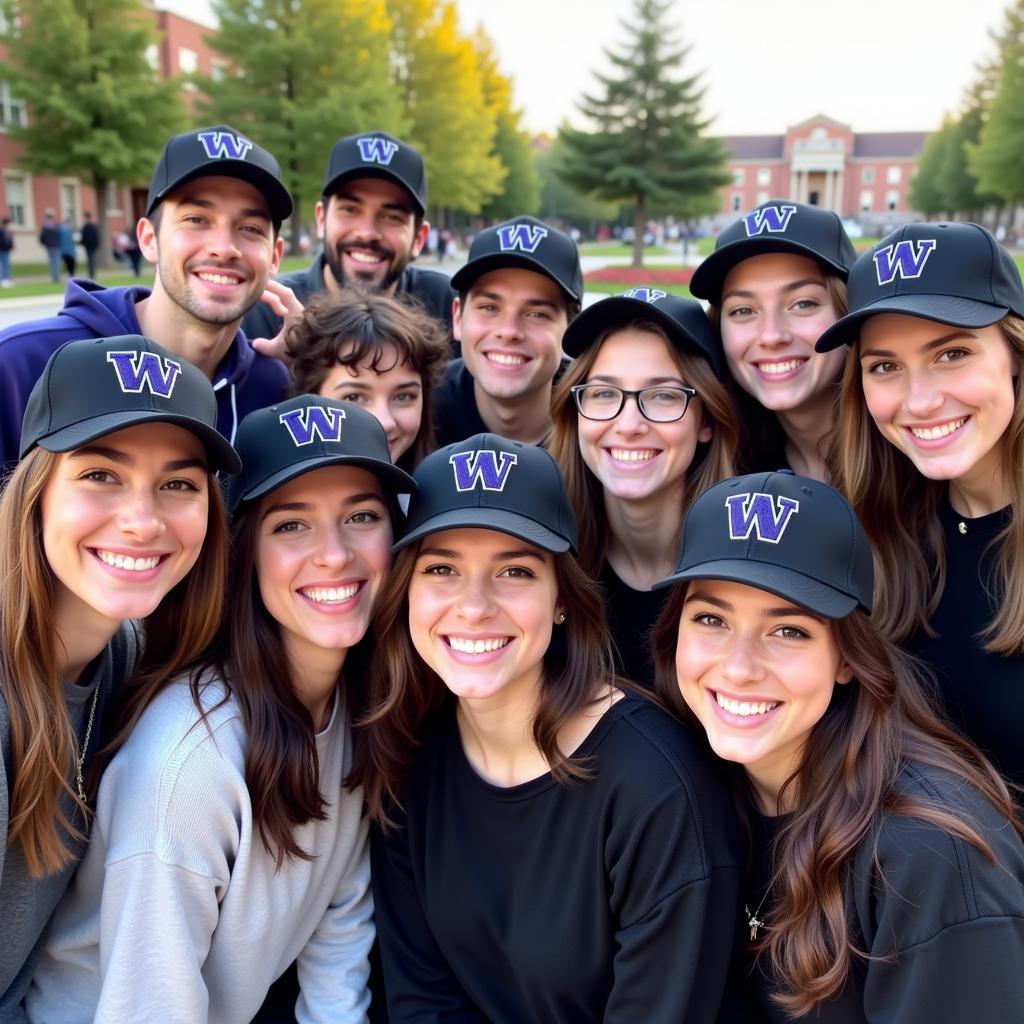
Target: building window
x=894, y=175
x=762, y=197
x=819, y=133
x=188, y=64
x=12, y=110
x=736, y=202
x=764, y=176
x=17, y=191
x=153, y=57
x=218, y=71
x=69, y=201
x=892, y=199
x=10, y=20
x=867, y=200
x=739, y=176
x=867, y=176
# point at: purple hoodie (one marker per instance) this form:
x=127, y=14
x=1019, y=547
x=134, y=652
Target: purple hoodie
x=245, y=379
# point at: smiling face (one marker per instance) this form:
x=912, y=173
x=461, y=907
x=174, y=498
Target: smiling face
x=944, y=396
x=758, y=672
x=774, y=308
x=511, y=326
x=368, y=229
x=123, y=521
x=482, y=606
x=632, y=457
x=214, y=249
x=323, y=552
x=394, y=395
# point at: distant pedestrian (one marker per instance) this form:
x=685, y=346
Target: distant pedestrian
x=68, y=251
x=6, y=245
x=49, y=239
x=129, y=245
x=90, y=242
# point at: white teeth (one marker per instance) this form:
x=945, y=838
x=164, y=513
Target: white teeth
x=127, y=562
x=506, y=360
x=632, y=454
x=934, y=433
x=217, y=278
x=467, y=646
x=780, y=368
x=364, y=257
x=744, y=707
x=331, y=595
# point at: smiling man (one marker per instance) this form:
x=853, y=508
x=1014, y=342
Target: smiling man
x=518, y=292
x=212, y=223
x=370, y=221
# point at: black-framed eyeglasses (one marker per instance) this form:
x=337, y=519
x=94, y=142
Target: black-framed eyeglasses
x=662, y=404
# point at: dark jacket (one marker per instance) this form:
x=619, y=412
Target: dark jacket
x=49, y=236
x=90, y=236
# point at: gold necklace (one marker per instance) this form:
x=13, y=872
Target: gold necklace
x=80, y=760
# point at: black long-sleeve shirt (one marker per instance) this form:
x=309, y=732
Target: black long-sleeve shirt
x=612, y=899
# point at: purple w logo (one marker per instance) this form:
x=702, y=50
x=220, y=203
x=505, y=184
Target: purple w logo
x=224, y=145
x=758, y=513
x=139, y=371
x=487, y=468
x=524, y=237
x=904, y=259
x=375, y=150
x=774, y=219
x=645, y=294
x=313, y=421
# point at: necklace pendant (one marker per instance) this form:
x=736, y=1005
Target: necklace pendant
x=754, y=921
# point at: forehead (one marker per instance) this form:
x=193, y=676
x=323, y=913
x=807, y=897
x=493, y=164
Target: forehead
x=771, y=270
x=379, y=364
x=478, y=542
x=163, y=439
x=328, y=484
x=516, y=283
x=374, y=190
x=222, y=193
x=632, y=350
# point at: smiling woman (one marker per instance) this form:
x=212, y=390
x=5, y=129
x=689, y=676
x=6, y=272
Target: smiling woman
x=112, y=515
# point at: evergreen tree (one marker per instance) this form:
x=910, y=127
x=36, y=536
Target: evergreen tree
x=926, y=193
x=96, y=109
x=304, y=73
x=559, y=200
x=648, y=145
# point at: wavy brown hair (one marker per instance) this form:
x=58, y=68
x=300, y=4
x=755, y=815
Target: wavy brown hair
x=762, y=445
x=43, y=741
x=358, y=328
x=403, y=691
x=712, y=461
x=910, y=554
x=844, y=787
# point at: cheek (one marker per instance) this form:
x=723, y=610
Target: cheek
x=829, y=365
x=588, y=436
x=409, y=417
x=425, y=609
x=275, y=570
x=192, y=524
x=880, y=399
x=736, y=339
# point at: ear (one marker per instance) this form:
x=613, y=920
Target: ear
x=705, y=433
x=456, y=319
x=559, y=617
x=275, y=263
x=145, y=232
x=420, y=239
x=844, y=674
x=320, y=212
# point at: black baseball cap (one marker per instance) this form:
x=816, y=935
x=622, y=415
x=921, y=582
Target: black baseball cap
x=220, y=151
x=305, y=433
x=954, y=274
x=91, y=388
x=491, y=483
x=528, y=244
x=378, y=155
x=683, y=320
x=787, y=534
x=779, y=225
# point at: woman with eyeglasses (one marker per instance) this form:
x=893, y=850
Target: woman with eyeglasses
x=642, y=425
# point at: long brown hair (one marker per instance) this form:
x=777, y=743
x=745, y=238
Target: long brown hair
x=712, y=461
x=357, y=328
x=882, y=484
x=762, y=440
x=43, y=741
x=403, y=690
x=844, y=786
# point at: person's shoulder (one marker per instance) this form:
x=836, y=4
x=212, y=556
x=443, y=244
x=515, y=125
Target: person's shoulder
x=421, y=279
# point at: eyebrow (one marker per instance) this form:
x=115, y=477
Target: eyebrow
x=358, y=385
x=500, y=556
x=209, y=204
x=498, y=297
x=783, y=611
x=305, y=506
x=354, y=197
x=786, y=288
x=927, y=347
x=651, y=381
x=124, y=459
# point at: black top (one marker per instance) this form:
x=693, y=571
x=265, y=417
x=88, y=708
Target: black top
x=631, y=617
x=613, y=899
x=983, y=692
x=430, y=288
x=945, y=924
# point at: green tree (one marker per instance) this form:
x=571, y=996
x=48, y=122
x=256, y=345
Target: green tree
x=560, y=201
x=648, y=144
x=441, y=86
x=926, y=192
x=303, y=74
x=520, y=193
x=96, y=109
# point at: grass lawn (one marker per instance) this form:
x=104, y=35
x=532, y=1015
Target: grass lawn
x=615, y=249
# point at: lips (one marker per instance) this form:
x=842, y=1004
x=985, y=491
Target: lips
x=938, y=431
x=632, y=456
x=132, y=563
x=509, y=359
x=777, y=369
x=368, y=255
x=478, y=645
x=219, y=277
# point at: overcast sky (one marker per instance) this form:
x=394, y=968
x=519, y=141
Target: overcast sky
x=880, y=65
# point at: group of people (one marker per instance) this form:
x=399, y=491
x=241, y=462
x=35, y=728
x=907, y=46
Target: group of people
x=641, y=663
x=61, y=245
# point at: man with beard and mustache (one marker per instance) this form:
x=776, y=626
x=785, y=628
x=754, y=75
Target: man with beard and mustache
x=212, y=224
x=370, y=221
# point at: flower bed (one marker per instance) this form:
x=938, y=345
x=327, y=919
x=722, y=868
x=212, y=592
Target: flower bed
x=642, y=275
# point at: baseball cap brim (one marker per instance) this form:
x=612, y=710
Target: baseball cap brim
x=776, y=579
x=483, y=518
x=943, y=309
x=223, y=458
x=464, y=277
x=709, y=278
x=375, y=172
x=278, y=198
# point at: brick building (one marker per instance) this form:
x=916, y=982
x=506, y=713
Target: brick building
x=181, y=49
x=863, y=176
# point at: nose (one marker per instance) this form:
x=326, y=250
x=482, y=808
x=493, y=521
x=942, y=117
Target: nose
x=140, y=517
x=222, y=242
x=630, y=419
x=381, y=410
x=740, y=663
x=509, y=327
x=475, y=600
x=922, y=396
x=364, y=225
x=333, y=551
x=774, y=329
